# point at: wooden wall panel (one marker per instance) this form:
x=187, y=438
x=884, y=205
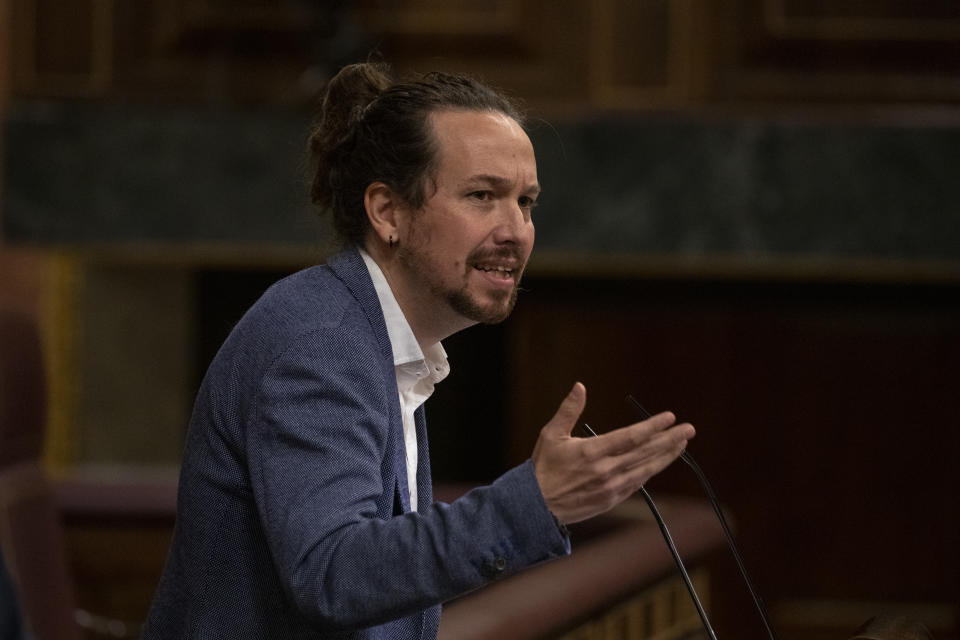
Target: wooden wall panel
x=445, y=18
x=237, y=15
x=534, y=49
x=281, y=52
x=619, y=54
x=188, y=50
x=61, y=48
x=207, y=55
x=895, y=50
x=826, y=417
x=649, y=54
x=135, y=398
x=863, y=19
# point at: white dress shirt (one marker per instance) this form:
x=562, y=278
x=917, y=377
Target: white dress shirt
x=417, y=371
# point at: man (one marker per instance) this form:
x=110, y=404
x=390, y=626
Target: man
x=305, y=508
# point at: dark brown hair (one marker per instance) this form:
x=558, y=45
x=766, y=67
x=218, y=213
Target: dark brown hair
x=371, y=129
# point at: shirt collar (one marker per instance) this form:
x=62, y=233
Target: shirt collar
x=404, y=344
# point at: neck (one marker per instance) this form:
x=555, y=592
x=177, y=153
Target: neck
x=430, y=319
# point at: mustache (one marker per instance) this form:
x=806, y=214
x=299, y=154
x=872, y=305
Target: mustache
x=512, y=254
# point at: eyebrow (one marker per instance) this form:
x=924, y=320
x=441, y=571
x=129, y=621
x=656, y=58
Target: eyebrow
x=499, y=181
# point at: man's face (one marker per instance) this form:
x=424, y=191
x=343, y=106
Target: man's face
x=469, y=243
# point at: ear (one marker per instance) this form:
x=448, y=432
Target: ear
x=384, y=210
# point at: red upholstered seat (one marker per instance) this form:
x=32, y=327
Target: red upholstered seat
x=30, y=532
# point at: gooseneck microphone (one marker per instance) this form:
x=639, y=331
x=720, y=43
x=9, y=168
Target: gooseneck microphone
x=675, y=554
x=643, y=414
x=883, y=627
x=676, y=558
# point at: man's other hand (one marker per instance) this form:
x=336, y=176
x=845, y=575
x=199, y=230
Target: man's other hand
x=583, y=477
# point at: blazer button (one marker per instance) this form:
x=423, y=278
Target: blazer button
x=494, y=567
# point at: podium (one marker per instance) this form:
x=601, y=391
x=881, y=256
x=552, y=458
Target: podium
x=619, y=583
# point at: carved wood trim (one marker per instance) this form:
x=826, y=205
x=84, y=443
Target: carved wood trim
x=682, y=63
x=781, y=24
x=856, y=52
x=27, y=76
x=454, y=18
x=181, y=18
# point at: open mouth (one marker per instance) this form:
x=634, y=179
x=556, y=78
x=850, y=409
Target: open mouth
x=497, y=271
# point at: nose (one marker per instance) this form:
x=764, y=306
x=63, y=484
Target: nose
x=514, y=225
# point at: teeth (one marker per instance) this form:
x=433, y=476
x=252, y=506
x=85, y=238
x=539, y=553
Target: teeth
x=499, y=270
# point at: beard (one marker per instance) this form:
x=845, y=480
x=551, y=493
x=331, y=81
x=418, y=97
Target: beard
x=495, y=312
x=459, y=298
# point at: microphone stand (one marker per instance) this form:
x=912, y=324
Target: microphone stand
x=881, y=627
x=731, y=543
x=676, y=556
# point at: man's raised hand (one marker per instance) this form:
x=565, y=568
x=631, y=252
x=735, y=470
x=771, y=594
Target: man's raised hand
x=583, y=477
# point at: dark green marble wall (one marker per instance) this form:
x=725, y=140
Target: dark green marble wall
x=80, y=174
x=752, y=188
x=93, y=174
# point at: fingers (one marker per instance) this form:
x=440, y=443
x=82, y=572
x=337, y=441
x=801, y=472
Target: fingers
x=648, y=451
x=617, y=478
x=666, y=445
x=635, y=436
x=634, y=470
x=564, y=420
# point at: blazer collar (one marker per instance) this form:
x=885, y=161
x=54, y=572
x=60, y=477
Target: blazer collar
x=349, y=267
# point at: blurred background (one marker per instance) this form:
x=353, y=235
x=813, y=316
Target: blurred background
x=751, y=216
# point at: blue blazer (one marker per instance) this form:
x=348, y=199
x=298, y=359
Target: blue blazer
x=293, y=515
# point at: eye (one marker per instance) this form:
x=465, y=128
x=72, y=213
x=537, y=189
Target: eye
x=526, y=202
x=482, y=196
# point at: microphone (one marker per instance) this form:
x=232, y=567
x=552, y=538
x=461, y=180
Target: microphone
x=731, y=543
x=676, y=558
x=675, y=554
x=881, y=627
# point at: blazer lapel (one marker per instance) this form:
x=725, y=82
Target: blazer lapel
x=349, y=267
x=352, y=271
x=424, y=481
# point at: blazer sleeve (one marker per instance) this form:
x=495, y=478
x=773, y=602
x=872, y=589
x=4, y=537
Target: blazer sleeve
x=317, y=449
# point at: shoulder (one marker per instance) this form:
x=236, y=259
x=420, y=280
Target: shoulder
x=336, y=294
x=312, y=298
x=322, y=296
x=306, y=308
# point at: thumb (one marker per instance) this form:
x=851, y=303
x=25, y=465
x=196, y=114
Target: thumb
x=563, y=421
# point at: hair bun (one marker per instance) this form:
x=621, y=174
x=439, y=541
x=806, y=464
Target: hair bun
x=347, y=96
x=353, y=89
